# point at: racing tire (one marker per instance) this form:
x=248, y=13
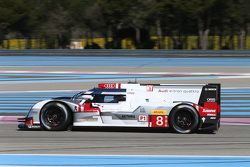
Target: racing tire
x=55, y=116
x=184, y=119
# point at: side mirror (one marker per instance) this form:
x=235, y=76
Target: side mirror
x=87, y=97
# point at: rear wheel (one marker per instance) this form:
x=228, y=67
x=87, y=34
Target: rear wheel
x=184, y=119
x=55, y=117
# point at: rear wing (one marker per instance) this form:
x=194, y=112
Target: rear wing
x=210, y=98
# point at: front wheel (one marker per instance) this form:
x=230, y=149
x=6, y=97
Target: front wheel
x=184, y=119
x=55, y=116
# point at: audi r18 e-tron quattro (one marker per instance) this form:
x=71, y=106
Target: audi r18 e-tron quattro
x=184, y=108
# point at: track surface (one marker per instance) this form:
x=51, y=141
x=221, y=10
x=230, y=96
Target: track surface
x=230, y=140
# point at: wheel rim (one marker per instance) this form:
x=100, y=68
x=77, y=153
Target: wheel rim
x=54, y=117
x=184, y=119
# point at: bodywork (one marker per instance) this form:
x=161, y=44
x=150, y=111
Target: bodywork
x=143, y=105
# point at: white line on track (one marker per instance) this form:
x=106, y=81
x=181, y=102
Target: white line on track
x=233, y=77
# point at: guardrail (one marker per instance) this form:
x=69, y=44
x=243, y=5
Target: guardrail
x=234, y=102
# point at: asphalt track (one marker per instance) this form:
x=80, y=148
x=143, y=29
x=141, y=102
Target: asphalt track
x=24, y=74
x=230, y=140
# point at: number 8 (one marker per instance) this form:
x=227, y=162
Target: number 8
x=159, y=121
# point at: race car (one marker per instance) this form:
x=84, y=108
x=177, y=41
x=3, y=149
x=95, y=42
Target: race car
x=185, y=108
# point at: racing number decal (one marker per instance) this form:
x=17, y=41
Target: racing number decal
x=142, y=118
x=158, y=121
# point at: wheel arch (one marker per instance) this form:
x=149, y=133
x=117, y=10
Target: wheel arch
x=184, y=103
x=57, y=101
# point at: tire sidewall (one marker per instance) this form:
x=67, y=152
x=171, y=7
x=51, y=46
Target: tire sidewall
x=189, y=109
x=64, y=123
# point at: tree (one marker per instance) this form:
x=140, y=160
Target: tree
x=58, y=21
x=55, y=24
x=115, y=14
x=13, y=17
x=83, y=15
x=161, y=17
x=238, y=19
x=199, y=12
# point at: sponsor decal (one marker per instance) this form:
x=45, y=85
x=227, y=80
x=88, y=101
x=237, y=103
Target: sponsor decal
x=158, y=112
x=163, y=91
x=149, y=88
x=109, y=85
x=185, y=91
x=210, y=99
x=211, y=114
x=123, y=117
x=142, y=118
x=210, y=89
x=208, y=111
x=127, y=116
x=87, y=120
x=191, y=91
